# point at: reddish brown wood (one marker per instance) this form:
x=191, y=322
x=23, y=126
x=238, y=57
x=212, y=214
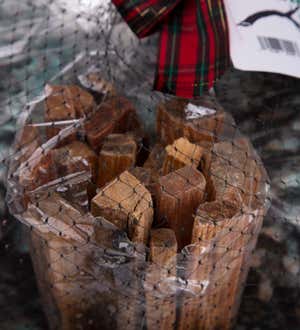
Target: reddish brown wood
x=172, y=122
x=114, y=115
x=28, y=139
x=65, y=103
x=75, y=152
x=160, y=301
x=58, y=163
x=117, y=154
x=128, y=204
x=180, y=154
x=178, y=196
x=35, y=175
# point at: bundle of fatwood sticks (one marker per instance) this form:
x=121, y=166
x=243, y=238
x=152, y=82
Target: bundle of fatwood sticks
x=191, y=205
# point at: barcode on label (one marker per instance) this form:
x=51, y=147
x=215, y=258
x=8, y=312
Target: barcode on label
x=279, y=45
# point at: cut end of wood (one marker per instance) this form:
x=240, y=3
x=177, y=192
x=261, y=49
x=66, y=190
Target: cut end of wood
x=181, y=153
x=117, y=154
x=79, y=151
x=128, y=204
x=112, y=116
x=216, y=211
x=174, y=120
x=163, y=245
x=178, y=196
x=181, y=181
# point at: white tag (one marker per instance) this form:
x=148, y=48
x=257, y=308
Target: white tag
x=193, y=111
x=265, y=35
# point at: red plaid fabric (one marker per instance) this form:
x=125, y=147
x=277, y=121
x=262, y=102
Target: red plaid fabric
x=193, y=48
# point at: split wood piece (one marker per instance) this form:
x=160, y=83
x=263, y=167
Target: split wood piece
x=74, y=158
x=236, y=170
x=68, y=276
x=27, y=141
x=145, y=177
x=173, y=121
x=56, y=215
x=57, y=164
x=161, y=304
x=128, y=204
x=64, y=249
x=75, y=152
x=142, y=142
x=220, y=229
x=117, y=154
x=114, y=115
x=180, y=154
x=43, y=171
x=155, y=161
x=178, y=197
x=65, y=103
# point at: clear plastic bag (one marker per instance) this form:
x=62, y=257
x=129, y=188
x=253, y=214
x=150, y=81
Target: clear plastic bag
x=95, y=274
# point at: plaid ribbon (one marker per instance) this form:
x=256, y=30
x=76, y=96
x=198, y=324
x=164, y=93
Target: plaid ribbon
x=193, y=47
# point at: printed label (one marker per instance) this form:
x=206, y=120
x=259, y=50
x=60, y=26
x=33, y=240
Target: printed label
x=265, y=35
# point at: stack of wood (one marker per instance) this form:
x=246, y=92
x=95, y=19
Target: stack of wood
x=196, y=192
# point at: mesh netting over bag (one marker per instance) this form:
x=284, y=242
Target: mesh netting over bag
x=139, y=210
x=142, y=209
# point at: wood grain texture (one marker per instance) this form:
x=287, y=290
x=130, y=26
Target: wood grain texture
x=127, y=204
x=172, y=122
x=180, y=154
x=117, y=154
x=76, y=283
x=178, y=197
x=68, y=277
x=223, y=235
x=74, y=153
x=155, y=160
x=64, y=103
x=114, y=115
x=235, y=169
x=161, y=301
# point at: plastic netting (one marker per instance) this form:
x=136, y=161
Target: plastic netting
x=130, y=209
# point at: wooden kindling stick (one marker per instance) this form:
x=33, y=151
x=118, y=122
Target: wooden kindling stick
x=160, y=298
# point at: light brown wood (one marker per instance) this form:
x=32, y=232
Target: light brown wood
x=173, y=123
x=210, y=263
x=115, y=115
x=128, y=204
x=144, y=175
x=117, y=154
x=224, y=235
x=178, y=197
x=68, y=280
x=64, y=243
x=180, y=154
x=235, y=169
x=160, y=300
